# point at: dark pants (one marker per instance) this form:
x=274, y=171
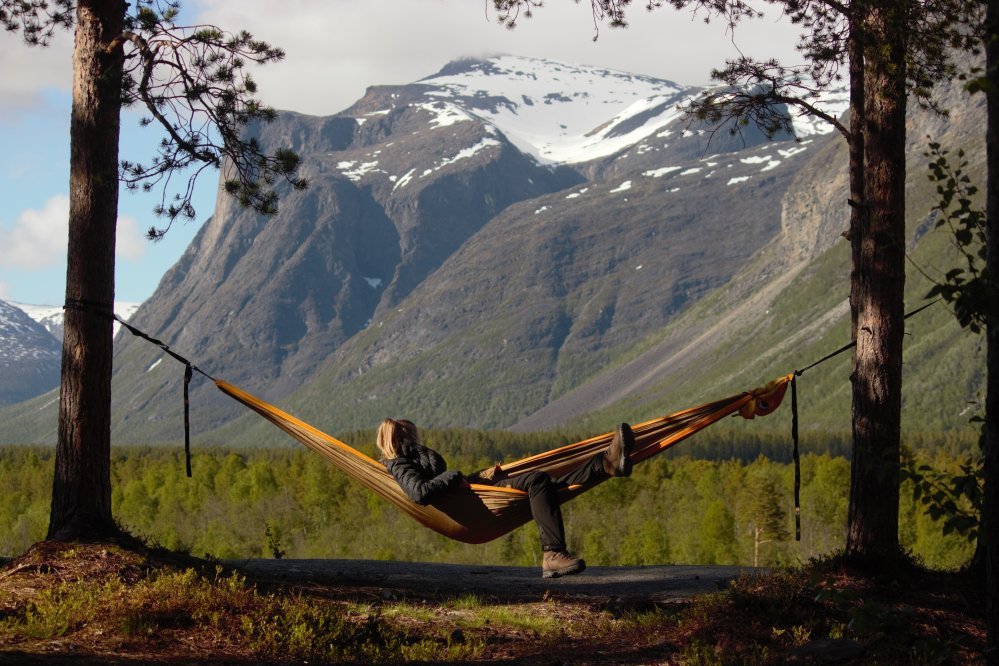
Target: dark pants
x=542, y=490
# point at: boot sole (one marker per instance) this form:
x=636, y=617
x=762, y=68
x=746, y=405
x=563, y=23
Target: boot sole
x=565, y=571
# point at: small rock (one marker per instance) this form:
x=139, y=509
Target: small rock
x=458, y=636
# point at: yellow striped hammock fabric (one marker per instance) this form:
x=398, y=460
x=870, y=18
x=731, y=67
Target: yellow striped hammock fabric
x=482, y=513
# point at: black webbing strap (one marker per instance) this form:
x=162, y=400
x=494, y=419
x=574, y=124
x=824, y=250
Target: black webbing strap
x=189, y=369
x=794, y=419
x=188, y=373
x=107, y=311
x=853, y=344
x=797, y=458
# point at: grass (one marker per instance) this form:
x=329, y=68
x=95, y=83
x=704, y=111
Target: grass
x=99, y=602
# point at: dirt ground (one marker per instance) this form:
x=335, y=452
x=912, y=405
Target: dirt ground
x=99, y=639
x=630, y=585
x=140, y=607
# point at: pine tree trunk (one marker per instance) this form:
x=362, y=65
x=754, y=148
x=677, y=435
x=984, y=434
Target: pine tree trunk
x=876, y=294
x=81, y=490
x=990, y=509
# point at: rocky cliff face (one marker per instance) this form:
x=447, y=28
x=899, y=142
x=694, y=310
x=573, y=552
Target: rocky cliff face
x=500, y=230
x=787, y=306
x=395, y=189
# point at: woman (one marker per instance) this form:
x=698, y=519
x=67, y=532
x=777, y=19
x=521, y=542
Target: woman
x=422, y=474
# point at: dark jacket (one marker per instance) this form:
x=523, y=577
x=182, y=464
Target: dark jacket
x=422, y=474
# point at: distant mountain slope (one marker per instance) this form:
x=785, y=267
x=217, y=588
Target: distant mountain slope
x=789, y=307
x=265, y=302
x=29, y=356
x=49, y=316
x=550, y=291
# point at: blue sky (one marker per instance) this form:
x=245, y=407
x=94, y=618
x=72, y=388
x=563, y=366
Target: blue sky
x=335, y=49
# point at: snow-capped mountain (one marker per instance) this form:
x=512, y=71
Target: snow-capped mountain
x=50, y=316
x=31, y=350
x=500, y=210
x=568, y=114
x=29, y=356
x=602, y=123
x=557, y=112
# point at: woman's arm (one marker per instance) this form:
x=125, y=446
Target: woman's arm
x=419, y=487
x=432, y=462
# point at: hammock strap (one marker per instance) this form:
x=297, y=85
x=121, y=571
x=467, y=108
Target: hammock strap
x=107, y=312
x=797, y=458
x=188, y=373
x=794, y=417
x=851, y=345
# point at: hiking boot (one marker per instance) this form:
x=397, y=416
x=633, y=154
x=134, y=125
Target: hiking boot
x=617, y=461
x=557, y=563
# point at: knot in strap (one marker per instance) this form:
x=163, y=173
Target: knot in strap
x=765, y=399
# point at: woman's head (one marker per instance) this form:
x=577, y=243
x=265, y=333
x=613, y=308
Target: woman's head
x=396, y=437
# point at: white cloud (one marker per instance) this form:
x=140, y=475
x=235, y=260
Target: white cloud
x=131, y=242
x=29, y=71
x=37, y=240
x=335, y=49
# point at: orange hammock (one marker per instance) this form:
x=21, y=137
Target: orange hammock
x=483, y=513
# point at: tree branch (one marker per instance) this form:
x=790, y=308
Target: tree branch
x=37, y=20
x=192, y=82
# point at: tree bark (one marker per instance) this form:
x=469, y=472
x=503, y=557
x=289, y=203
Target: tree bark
x=81, y=489
x=990, y=503
x=876, y=293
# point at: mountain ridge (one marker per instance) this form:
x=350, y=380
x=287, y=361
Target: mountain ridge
x=446, y=267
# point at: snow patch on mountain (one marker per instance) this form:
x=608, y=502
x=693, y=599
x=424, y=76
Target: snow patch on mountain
x=469, y=152
x=403, y=180
x=561, y=113
x=444, y=114
x=835, y=102
x=557, y=112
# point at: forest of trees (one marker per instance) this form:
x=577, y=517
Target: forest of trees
x=289, y=502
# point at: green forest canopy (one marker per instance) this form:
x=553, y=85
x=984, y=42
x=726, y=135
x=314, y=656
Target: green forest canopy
x=676, y=509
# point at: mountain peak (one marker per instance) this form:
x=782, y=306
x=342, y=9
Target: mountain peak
x=558, y=112
x=466, y=65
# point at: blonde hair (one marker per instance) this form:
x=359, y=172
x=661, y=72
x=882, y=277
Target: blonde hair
x=394, y=435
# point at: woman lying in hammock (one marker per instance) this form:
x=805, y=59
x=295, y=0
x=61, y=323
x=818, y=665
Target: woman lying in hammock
x=423, y=475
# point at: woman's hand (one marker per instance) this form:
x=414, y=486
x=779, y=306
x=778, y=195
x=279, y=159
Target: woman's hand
x=488, y=476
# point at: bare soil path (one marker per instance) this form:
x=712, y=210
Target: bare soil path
x=628, y=585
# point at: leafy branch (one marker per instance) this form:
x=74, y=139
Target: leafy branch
x=193, y=83
x=36, y=20
x=759, y=93
x=955, y=498
x=614, y=12
x=969, y=289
